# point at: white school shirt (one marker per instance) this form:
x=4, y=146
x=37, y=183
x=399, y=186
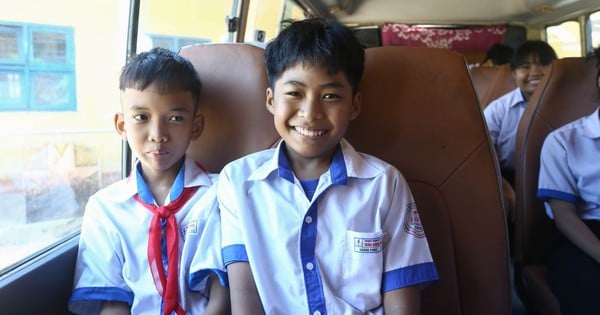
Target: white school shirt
x=112, y=261
x=502, y=117
x=570, y=166
x=359, y=236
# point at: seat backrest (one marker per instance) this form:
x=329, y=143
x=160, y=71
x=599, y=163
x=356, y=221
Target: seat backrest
x=502, y=83
x=483, y=78
x=233, y=99
x=420, y=113
x=568, y=92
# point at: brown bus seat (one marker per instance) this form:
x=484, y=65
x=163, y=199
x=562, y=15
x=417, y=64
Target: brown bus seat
x=233, y=98
x=420, y=113
x=482, y=78
x=502, y=83
x=568, y=92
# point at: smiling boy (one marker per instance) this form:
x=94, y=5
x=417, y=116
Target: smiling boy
x=313, y=226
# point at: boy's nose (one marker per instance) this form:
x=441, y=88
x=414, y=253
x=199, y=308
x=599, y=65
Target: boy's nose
x=312, y=110
x=158, y=133
x=537, y=69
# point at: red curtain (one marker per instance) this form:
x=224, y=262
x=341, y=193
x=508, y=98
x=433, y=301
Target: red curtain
x=458, y=39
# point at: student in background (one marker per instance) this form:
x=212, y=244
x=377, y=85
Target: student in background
x=497, y=55
x=529, y=64
x=150, y=244
x=312, y=226
x=569, y=184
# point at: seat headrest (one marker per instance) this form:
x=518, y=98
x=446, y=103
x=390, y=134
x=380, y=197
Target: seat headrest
x=232, y=100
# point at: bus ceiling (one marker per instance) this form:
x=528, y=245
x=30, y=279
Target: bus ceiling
x=526, y=12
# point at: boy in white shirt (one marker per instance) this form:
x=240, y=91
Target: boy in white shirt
x=312, y=226
x=150, y=244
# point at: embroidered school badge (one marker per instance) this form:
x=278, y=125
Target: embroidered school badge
x=368, y=245
x=412, y=223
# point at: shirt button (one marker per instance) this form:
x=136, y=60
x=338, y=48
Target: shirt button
x=317, y=313
x=308, y=219
x=310, y=266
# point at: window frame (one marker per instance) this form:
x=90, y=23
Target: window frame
x=27, y=68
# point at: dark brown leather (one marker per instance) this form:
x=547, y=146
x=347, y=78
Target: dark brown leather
x=420, y=113
x=568, y=92
x=233, y=102
x=502, y=83
x=483, y=78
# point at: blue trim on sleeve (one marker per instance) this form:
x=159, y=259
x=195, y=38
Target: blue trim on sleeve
x=423, y=273
x=555, y=194
x=89, y=299
x=234, y=253
x=197, y=277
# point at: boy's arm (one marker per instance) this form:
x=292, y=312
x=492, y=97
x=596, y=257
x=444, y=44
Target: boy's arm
x=403, y=301
x=114, y=308
x=244, y=294
x=218, y=302
x=573, y=228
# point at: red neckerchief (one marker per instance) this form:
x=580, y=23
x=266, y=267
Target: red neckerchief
x=166, y=283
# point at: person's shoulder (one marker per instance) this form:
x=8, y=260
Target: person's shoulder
x=385, y=168
x=113, y=191
x=250, y=161
x=507, y=99
x=568, y=132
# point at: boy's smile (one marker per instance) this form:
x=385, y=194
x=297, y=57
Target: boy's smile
x=311, y=110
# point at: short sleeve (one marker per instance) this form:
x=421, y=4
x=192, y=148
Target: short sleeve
x=407, y=257
x=233, y=245
x=206, y=250
x=98, y=271
x=555, y=179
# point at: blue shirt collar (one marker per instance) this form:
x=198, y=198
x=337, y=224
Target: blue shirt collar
x=144, y=191
x=337, y=169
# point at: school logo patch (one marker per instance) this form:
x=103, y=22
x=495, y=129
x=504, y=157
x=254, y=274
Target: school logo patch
x=368, y=244
x=412, y=223
x=190, y=228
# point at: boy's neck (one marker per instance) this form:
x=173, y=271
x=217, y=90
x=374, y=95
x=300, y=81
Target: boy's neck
x=160, y=183
x=308, y=168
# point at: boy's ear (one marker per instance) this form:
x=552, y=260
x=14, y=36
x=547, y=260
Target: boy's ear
x=270, y=105
x=356, y=105
x=119, y=121
x=198, y=126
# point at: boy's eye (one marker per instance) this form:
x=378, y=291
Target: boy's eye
x=140, y=117
x=176, y=118
x=292, y=93
x=331, y=96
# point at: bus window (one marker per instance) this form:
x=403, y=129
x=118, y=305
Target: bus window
x=58, y=93
x=595, y=29
x=565, y=38
x=174, y=24
x=264, y=19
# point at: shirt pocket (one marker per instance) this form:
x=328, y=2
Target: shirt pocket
x=363, y=269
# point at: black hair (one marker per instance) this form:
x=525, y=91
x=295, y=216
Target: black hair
x=166, y=69
x=529, y=48
x=316, y=42
x=499, y=54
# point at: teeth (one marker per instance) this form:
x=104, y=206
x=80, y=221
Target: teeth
x=310, y=132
